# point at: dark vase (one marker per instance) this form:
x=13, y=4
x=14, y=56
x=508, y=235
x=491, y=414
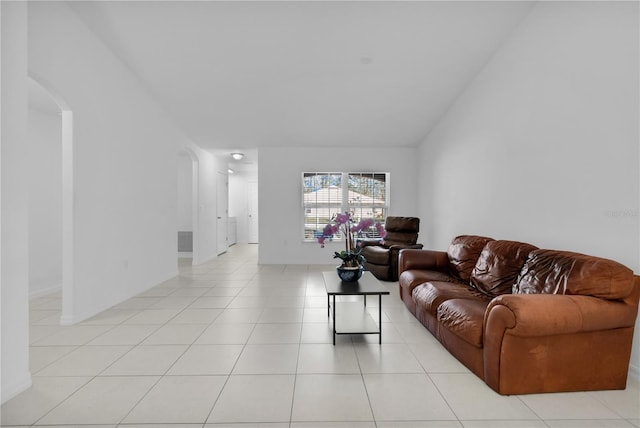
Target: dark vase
x=350, y=274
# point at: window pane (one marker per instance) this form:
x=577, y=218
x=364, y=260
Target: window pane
x=367, y=189
x=367, y=198
x=322, y=199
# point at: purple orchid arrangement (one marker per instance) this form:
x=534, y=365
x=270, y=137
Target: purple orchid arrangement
x=343, y=223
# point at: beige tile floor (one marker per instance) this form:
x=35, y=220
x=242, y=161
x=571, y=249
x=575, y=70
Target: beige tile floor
x=234, y=344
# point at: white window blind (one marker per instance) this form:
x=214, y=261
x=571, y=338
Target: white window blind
x=325, y=194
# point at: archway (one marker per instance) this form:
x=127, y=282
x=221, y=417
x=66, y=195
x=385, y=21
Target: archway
x=66, y=198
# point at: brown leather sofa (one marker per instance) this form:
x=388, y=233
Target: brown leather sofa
x=381, y=256
x=523, y=319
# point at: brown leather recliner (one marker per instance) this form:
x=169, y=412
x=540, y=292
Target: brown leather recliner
x=382, y=256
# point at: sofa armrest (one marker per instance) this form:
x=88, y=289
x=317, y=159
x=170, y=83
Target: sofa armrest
x=549, y=342
x=422, y=260
x=369, y=242
x=529, y=315
x=395, y=251
x=395, y=254
x=398, y=247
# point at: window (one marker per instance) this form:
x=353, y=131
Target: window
x=325, y=194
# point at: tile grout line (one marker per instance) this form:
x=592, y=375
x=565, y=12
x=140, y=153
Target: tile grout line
x=230, y=371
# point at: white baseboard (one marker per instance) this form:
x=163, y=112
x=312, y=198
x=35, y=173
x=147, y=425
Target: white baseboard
x=185, y=255
x=72, y=319
x=67, y=321
x=10, y=391
x=44, y=291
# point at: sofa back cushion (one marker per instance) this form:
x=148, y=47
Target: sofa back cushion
x=463, y=254
x=401, y=231
x=498, y=266
x=564, y=272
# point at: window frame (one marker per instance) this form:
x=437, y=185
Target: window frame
x=345, y=204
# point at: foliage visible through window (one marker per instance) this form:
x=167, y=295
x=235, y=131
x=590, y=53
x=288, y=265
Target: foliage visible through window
x=325, y=194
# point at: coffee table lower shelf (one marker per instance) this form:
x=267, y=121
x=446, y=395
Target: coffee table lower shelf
x=353, y=318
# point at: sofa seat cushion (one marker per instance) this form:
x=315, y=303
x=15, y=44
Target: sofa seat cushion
x=498, y=266
x=564, y=272
x=378, y=255
x=463, y=253
x=432, y=294
x=410, y=279
x=464, y=318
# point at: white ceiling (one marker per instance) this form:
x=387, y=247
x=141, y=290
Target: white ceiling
x=242, y=75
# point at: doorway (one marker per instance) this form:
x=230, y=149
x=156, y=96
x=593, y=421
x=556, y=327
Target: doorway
x=252, y=212
x=222, y=213
x=188, y=219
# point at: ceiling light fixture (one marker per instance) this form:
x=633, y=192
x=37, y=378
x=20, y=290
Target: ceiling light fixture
x=237, y=156
x=230, y=171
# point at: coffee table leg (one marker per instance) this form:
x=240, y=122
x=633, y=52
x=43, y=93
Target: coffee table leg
x=328, y=305
x=380, y=318
x=334, y=319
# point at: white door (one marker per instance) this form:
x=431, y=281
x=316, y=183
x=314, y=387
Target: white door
x=222, y=197
x=252, y=212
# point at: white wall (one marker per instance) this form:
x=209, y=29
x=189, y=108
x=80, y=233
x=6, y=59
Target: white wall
x=14, y=316
x=185, y=192
x=125, y=164
x=543, y=146
x=45, y=202
x=280, y=194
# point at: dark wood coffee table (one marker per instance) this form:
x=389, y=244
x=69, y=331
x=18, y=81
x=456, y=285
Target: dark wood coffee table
x=354, y=318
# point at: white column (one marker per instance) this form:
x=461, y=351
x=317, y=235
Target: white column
x=14, y=230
